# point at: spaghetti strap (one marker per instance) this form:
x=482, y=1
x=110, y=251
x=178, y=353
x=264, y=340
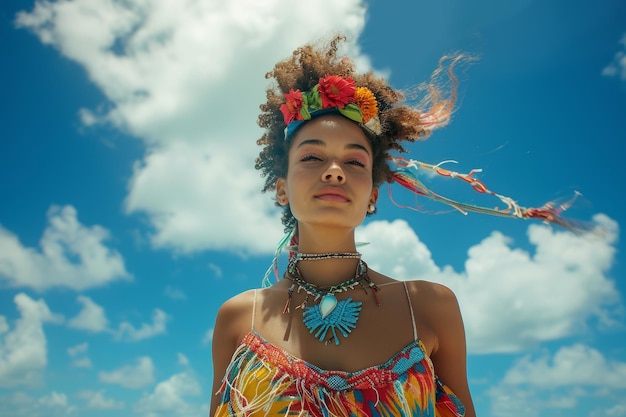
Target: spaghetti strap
x=253, y=311
x=408, y=297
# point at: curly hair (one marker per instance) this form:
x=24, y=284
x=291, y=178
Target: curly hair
x=398, y=121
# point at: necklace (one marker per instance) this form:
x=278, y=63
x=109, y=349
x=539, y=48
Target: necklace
x=321, y=256
x=328, y=314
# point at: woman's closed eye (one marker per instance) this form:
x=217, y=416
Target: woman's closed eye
x=357, y=162
x=315, y=158
x=310, y=157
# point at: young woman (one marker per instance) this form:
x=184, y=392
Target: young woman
x=333, y=337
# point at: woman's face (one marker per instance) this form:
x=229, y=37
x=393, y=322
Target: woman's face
x=329, y=176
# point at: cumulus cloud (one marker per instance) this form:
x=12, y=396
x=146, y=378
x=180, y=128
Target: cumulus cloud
x=91, y=317
x=578, y=365
x=182, y=359
x=55, y=399
x=208, y=337
x=187, y=78
x=23, y=349
x=127, y=332
x=79, y=355
x=135, y=376
x=561, y=381
x=502, y=281
x=19, y=404
x=171, y=397
x=71, y=255
x=617, y=67
x=220, y=205
x=174, y=293
x=97, y=400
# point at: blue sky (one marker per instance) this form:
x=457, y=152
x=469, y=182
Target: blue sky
x=130, y=208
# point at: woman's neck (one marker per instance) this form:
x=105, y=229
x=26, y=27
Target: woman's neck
x=332, y=271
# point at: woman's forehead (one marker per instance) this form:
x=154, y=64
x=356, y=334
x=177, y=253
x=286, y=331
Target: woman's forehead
x=331, y=129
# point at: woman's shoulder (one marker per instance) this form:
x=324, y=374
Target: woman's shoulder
x=234, y=319
x=431, y=299
x=419, y=288
x=237, y=305
x=431, y=289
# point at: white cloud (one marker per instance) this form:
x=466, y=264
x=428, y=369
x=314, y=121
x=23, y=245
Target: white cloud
x=182, y=359
x=131, y=376
x=78, y=349
x=577, y=365
x=208, y=337
x=187, y=78
x=519, y=309
x=55, y=399
x=163, y=65
x=617, y=410
x=573, y=375
x=82, y=363
x=92, y=316
x=19, y=404
x=513, y=402
x=217, y=271
x=79, y=352
x=71, y=255
x=175, y=293
x=408, y=257
x=617, y=67
x=127, y=332
x=170, y=397
x=4, y=326
x=203, y=197
x=23, y=350
x=96, y=400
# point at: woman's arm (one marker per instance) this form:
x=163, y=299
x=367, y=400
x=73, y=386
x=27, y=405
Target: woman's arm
x=449, y=355
x=230, y=326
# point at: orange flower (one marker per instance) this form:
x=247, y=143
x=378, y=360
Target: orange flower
x=366, y=101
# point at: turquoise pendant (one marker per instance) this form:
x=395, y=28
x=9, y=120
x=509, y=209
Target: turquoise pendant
x=332, y=315
x=327, y=305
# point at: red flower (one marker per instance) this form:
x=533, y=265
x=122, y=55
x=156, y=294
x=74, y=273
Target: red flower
x=336, y=91
x=291, y=109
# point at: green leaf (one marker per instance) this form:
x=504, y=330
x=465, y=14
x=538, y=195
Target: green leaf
x=352, y=112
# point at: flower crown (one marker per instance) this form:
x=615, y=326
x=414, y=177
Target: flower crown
x=332, y=93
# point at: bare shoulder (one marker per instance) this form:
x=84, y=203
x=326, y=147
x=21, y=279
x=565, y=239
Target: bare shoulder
x=235, y=315
x=432, y=293
x=437, y=305
x=237, y=303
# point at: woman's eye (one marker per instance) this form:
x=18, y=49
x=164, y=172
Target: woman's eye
x=357, y=163
x=310, y=158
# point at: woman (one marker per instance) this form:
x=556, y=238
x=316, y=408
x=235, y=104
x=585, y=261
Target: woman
x=333, y=337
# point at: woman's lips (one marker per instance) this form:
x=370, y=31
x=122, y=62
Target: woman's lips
x=332, y=195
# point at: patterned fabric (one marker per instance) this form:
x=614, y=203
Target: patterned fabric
x=264, y=380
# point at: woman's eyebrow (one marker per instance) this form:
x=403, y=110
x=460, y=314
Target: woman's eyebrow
x=319, y=142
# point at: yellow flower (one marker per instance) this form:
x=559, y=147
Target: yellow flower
x=366, y=101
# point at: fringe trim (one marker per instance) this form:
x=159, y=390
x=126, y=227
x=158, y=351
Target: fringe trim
x=253, y=386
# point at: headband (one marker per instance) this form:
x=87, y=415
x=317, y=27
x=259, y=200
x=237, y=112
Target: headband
x=333, y=94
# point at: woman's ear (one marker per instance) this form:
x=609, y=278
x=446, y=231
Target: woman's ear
x=281, y=192
x=374, y=196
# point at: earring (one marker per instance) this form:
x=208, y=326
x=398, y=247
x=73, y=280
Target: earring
x=371, y=208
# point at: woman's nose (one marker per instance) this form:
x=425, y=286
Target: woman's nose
x=333, y=173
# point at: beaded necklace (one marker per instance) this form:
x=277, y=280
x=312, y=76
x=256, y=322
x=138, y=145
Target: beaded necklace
x=328, y=314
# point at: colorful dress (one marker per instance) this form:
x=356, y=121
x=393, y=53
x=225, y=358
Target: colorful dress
x=264, y=380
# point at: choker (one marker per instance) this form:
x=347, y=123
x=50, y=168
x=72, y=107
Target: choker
x=328, y=255
x=328, y=314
